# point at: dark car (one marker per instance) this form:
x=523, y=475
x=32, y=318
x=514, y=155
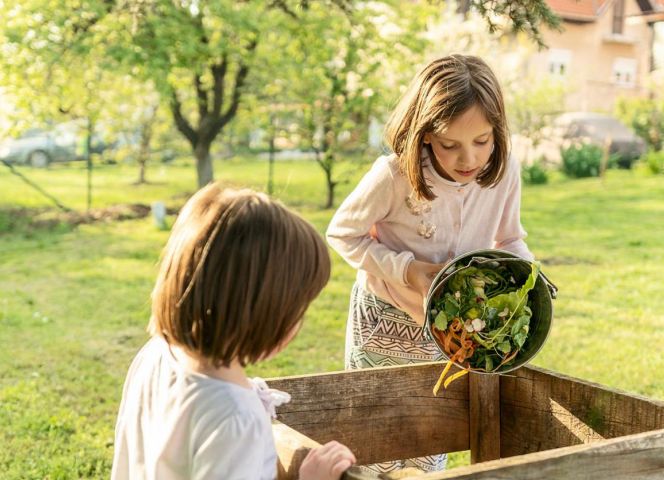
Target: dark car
x=625, y=146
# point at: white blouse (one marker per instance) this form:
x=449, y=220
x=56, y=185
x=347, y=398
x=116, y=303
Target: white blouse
x=176, y=424
x=381, y=227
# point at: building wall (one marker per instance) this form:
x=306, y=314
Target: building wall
x=593, y=54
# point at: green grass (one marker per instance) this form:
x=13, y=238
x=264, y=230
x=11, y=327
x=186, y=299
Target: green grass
x=74, y=302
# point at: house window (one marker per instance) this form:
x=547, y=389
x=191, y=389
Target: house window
x=618, y=17
x=559, y=61
x=624, y=71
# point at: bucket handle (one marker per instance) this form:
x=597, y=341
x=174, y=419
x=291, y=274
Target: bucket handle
x=553, y=290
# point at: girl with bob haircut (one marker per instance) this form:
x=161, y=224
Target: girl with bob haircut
x=237, y=274
x=449, y=187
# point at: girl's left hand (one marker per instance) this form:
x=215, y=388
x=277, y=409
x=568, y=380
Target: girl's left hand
x=420, y=275
x=327, y=462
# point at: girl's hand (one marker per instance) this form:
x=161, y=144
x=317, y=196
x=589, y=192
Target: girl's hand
x=419, y=275
x=327, y=462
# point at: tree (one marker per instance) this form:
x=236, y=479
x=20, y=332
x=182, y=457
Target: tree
x=204, y=72
x=532, y=104
x=344, y=69
x=48, y=79
x=646, y=117
x=199, y=54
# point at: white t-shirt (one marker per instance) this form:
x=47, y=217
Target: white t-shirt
x=177, y=424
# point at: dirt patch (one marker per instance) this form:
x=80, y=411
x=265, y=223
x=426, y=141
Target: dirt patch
x=15, y=219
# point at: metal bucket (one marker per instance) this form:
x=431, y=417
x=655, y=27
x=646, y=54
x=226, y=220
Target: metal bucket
x=540, y=297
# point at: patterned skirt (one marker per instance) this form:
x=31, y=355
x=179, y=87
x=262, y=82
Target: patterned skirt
x=378, y=335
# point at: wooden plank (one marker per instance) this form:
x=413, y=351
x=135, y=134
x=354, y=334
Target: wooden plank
x=381, y=414
x=634, y=457
x=484, y=412
x=542, y=410
x=292, y=447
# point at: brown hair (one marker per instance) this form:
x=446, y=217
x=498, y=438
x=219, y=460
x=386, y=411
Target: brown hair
x=440, y=92
x=237, y=274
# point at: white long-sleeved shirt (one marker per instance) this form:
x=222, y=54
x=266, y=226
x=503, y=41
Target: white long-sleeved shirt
x=175, y=424
x=380, y=228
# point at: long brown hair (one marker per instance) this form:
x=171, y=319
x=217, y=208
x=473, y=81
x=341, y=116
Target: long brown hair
x=440, y=92
x=237, y=274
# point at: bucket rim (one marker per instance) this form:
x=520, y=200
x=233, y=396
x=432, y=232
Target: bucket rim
x=446, y=272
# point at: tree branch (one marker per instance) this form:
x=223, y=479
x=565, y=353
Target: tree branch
x=180, y=121
x=218, y=74
x=202, y=96
x=525, y=15
x=281, y=5
x=240, y=78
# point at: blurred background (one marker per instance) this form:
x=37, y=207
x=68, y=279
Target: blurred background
x=113, y=112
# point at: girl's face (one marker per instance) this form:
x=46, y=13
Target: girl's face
x=464, y=148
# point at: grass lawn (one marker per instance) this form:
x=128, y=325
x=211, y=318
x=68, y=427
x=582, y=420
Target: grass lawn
x=74, y=302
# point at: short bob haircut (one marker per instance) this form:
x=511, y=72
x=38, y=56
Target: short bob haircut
x=439, y=93
x=237, y=274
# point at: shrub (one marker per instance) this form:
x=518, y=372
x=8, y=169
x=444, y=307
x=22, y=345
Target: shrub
x=581, y=160
x=654, y=161
x=534, y=174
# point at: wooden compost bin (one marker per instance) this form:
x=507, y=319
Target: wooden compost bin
x=530, y=424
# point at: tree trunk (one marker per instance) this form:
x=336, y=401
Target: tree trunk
x=146, y=140
x=143, y=154
x=329, y=162
x=203, y=164
x=270, y=169
x=88, y=160
x=142, y=160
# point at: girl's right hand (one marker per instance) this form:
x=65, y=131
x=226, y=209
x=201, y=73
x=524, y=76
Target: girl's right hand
x=420, y=275
x=327, y=462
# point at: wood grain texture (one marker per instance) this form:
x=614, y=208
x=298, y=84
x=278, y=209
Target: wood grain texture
x=542, y=410
x=484, y=410
x=380, y=414
x=292, y=447
x=634, y=457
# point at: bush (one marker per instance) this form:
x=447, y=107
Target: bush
x=654, y=161
x=582, y=160
x=534, y=174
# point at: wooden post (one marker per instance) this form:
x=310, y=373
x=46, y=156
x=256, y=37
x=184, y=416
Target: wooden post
x=484, y=397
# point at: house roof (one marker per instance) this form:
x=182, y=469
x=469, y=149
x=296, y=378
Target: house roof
x=582, y=10
x=591, y=10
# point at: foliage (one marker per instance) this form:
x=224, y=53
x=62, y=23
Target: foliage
x=482, y=316
x=535, y=173
x=351, y=72
x=581, y=160
x=201, y=56
x=654, y=161
x=525, y=16
x=646, y=117
x=531, y=105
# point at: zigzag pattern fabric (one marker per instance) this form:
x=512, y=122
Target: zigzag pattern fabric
x=380, y=335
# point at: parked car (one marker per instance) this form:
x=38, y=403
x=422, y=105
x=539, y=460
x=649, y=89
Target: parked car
x=584, y=127
x=39, y=147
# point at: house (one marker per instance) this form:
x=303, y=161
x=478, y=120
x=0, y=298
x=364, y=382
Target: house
x=604, y=52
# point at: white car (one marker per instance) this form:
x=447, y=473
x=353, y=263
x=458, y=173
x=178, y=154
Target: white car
x=39, y=148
